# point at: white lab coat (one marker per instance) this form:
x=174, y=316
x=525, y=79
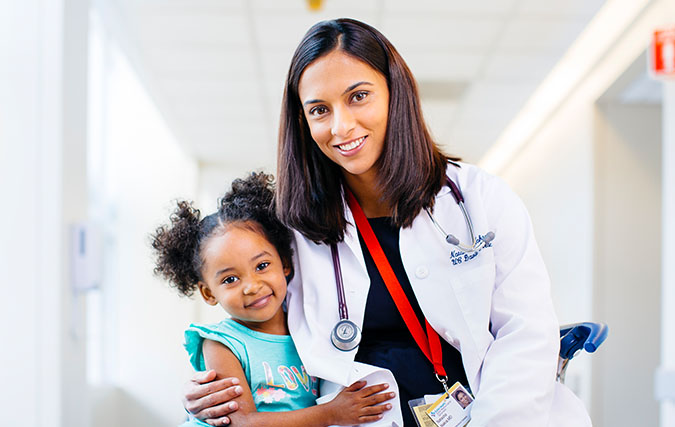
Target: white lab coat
x=510, y=367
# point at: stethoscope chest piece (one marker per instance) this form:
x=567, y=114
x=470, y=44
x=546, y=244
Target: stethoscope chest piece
x=346, y=336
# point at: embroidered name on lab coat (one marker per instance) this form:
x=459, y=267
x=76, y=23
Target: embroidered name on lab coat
x=457, y=257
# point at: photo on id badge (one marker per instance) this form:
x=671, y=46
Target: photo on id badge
x=450, y=409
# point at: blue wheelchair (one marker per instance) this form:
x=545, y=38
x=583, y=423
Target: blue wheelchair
x=586, y=336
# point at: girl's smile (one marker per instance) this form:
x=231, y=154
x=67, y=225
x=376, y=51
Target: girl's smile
x=244, y=274
x=260, y=302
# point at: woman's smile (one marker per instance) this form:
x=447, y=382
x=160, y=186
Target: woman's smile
x=352, y=147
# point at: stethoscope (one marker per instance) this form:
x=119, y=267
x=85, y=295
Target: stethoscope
x=346, y=336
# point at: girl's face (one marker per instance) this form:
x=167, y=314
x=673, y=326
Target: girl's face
x=346, y=104
x=244, y=274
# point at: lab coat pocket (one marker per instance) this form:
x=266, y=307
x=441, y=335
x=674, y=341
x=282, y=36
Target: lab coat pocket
x=473, y=289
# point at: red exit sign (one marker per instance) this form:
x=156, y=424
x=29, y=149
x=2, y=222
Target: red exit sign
x=662, y=55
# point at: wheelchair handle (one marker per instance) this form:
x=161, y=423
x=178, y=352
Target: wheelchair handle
x=586, y=335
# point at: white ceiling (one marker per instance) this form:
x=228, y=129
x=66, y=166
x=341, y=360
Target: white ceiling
x=216, y=67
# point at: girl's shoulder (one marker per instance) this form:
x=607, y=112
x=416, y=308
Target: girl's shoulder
x=224, y=327
x=224, y=332
x=228, y=330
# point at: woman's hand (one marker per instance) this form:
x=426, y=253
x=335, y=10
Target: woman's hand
x=357, y=405
x=210, y=401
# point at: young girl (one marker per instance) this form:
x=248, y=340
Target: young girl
x=240, y=258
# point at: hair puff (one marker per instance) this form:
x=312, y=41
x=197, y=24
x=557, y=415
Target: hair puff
x=176, y=246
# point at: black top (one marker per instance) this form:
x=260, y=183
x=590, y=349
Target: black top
x=386, y=340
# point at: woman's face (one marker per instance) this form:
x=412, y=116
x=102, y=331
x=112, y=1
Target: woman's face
x=463, y=399
x=346, y=104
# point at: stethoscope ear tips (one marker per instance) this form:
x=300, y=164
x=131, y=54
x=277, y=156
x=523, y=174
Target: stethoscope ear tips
x=477, y=246
x=452, y=239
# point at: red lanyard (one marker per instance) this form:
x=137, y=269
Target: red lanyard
x=429, y=343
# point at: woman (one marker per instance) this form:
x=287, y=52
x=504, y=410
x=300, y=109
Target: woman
x=356, y=159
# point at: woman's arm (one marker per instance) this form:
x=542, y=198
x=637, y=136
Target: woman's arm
x=210, y=400
x=354, y=405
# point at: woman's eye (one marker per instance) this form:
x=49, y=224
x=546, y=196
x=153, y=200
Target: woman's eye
x=229, y=280
x=262, y=266
x=359, y=96
x=318, y=110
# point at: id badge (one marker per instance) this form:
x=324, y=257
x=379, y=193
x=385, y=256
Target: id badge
x=419, y=410
x=452, y=408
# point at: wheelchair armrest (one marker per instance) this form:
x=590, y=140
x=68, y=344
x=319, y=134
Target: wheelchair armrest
x=586, y=335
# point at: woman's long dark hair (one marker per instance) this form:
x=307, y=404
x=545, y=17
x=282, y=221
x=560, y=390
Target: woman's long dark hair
x=410, y=169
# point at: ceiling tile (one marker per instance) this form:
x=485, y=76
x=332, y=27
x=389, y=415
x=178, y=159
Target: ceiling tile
x=537, y=34
x=328, y=6
x=191, y=29
x=484, y=117
x=490, y=94
x=287, y=29
x=582, y=8
x=431, y=31
x=442, y=64
x=515, y=67
x=222, y=89
x=200, y=112
x=266, y=6
x=200, y=63
x=185, y=6
x=461, y=7
x=229, y=133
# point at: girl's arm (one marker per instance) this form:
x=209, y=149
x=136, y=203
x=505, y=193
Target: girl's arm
x=354, y=405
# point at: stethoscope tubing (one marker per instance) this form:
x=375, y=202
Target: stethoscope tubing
x=342, y=304
x=451, y=239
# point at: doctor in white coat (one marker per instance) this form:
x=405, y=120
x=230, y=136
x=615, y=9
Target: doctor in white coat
x=351, y=123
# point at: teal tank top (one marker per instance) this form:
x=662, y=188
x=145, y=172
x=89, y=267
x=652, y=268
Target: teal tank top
x=273, y=369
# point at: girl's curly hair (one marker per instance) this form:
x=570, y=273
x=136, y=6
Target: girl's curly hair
x=178, y=246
